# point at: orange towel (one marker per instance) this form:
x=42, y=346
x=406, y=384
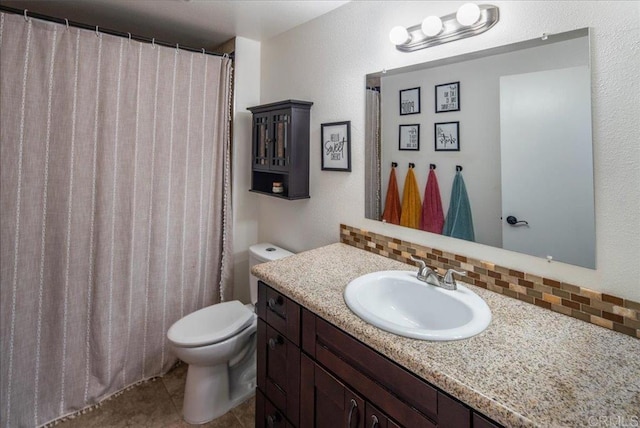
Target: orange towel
x=411, y=205
x=392, y=204
x=432, y=214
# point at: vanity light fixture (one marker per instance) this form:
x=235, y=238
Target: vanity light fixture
x=470, y=20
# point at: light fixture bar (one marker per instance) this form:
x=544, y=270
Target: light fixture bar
x=451, y=30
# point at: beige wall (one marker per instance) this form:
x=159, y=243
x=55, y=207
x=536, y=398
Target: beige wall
x=245, y=220
x=326, y=60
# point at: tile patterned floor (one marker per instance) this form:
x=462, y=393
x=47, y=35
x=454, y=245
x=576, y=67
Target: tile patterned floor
x=157, y=403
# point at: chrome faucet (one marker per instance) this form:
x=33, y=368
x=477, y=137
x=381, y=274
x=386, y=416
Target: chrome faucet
x=430, y=276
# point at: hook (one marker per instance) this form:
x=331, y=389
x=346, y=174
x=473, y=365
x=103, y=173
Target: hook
x=412, y=165
x=153, y=43
x=203, y=52
x=97, y=31
x=177, y=47
x=544, y=36
x=225, y=55
x=26, y=18
x=432, y=166
x=129, y=37
x=66, y=21
x=394, y=164
x=458, y=168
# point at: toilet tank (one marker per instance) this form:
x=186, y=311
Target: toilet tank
x=262, y=253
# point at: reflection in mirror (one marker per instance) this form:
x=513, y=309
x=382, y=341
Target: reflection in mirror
x=517, y=119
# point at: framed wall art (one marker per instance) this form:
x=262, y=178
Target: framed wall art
x=336, y=146
x=448, y=97
x=447, y=138
x=409, y=137
x=409, y=101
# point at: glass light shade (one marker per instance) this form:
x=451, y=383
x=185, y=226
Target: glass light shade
x=431, y=26
x=399, y=35
x=468, y=14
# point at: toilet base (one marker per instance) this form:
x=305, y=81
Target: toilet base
x=211, y=391
x=207, y=397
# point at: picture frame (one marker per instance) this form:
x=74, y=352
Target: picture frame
x=448, y=97
x=409, y=101
x=336, y=146
x=447, y=136
x=409, y=137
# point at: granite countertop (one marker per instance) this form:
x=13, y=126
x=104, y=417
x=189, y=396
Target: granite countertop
x=530, y=367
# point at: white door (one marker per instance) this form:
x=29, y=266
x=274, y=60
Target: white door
x=547, y=164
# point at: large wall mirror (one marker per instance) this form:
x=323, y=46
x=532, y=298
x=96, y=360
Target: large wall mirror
x=517, y=119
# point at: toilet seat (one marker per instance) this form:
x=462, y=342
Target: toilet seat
x=211, y=324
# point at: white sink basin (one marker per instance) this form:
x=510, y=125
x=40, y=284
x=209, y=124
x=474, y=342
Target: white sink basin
x=396, y=301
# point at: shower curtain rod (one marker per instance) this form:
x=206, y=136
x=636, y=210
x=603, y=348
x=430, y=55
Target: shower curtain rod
x=63, y=21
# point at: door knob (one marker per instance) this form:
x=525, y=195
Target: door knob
x=513, y=221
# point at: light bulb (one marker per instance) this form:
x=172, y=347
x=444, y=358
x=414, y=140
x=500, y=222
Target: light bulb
x=431, y=26
x=468, y=14
x=399, y=35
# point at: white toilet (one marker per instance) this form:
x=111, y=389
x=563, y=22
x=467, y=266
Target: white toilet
x=219, y=345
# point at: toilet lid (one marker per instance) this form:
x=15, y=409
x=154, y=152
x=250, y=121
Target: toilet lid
x=211, y=324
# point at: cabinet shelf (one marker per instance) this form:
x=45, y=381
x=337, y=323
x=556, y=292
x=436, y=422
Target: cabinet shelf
x=276, y=195
x=280, y=148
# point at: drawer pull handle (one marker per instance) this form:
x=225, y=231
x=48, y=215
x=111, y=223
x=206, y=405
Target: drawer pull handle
x=273, y=342
x=272, y=420
x=374, y=421
x=354, y=406
x=272, y=303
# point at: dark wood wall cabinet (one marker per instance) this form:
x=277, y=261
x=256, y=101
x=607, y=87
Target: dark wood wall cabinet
x=280, y=149
x=312, y=374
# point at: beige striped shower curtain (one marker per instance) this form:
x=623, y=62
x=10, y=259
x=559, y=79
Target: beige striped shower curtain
x=115, y=193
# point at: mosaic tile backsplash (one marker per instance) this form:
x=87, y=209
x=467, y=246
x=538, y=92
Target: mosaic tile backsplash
x=602, y=309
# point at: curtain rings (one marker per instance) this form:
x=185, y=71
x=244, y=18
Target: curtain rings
x=26, y=18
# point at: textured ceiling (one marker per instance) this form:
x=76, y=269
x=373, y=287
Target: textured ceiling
x=194, y=23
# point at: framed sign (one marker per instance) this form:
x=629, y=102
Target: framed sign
x=409, y=137
x=448, y=97
x=409, y=101
x=447, y=137
x=336, y=146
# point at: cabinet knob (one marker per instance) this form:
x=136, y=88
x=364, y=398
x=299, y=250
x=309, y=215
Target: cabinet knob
x=273, y=342
x=272, y=420
x=272, y=303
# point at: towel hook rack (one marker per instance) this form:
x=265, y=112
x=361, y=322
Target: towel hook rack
x=412, y=165
x=458, y=168
x=394, y=164
x=432, y=166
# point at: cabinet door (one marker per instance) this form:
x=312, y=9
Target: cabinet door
x=261, y=141
x=326, y=402
x=281, y=137
x=278, y=370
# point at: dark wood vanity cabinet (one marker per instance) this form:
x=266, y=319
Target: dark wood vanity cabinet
x=313, y=375
x=280, y=148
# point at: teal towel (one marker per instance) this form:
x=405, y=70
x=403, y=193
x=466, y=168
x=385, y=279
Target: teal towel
x=459, y=222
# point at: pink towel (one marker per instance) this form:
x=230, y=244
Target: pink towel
x=392, y=204
x=432, y=215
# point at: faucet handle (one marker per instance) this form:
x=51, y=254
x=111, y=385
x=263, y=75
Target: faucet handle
x=421, y=264
x=448, y=277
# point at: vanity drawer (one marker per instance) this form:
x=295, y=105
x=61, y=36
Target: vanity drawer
x=278, y=370
x=279, y=311
x=331, y=346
